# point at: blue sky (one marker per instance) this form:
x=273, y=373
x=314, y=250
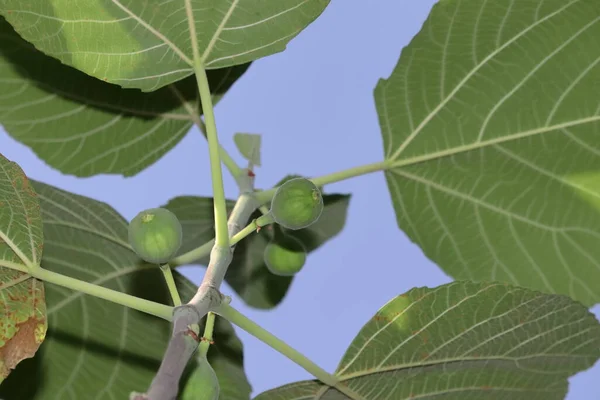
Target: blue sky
x=314, y=106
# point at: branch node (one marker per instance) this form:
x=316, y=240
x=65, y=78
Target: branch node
x=190, y=333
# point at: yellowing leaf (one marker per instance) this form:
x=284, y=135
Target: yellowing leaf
x=23, y=320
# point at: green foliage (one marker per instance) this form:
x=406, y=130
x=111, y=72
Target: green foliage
x=22, y=304
x=155, y=235
x=464, y=340
x=297, y=204
x=146, y=45
x=494, y=170
x=83, y=126
x=285, y=256
x=249, y=146
x=248, y=274
x=95, y=346
x=488, y=124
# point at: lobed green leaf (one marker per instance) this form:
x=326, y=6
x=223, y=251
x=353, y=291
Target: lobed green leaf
x=463, y=340
x=83, y=126
x=490, y=121
x=147, y=44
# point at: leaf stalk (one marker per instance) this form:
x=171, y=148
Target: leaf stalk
x=237, y=318
x=124, y=299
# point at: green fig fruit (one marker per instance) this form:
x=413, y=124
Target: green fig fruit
x=155, y=235
x=297, y=203
x=203, y=384
x=285, y=257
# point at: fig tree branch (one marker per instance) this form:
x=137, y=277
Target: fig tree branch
x=221, y=235
x=165, y=385
x=264, y=196
x=181, y=347
x=185, y=339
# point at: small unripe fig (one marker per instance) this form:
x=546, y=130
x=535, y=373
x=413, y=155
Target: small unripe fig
x=203, y=384
x=297, y=203
x=155, y=235
x=285, y=257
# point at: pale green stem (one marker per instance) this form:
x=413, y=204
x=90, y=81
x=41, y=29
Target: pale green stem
x=221, y=233
x=205, y=249
x=229, y=163
x=193, y=255
x=166, y=270
x=146, y=306
x=264, y=209
x=207, y=337
x=227, y=160
x=266, y=195
x=237, y=318
x=261, y=221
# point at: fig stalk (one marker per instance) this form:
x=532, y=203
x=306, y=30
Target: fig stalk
x=166, y=270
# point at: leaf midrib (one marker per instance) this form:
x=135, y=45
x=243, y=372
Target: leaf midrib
x=15, y=249
x=486, y=143
x=394, y=162
x=446, y=361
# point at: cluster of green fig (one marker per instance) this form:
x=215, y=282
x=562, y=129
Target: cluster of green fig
x=156, y=234
x=297, y=204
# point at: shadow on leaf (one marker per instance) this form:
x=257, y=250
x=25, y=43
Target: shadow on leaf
x=48, y=74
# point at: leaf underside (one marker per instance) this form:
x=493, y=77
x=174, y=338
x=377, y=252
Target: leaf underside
x=491, y=120
x=83, y=126
x=460, y=341
x=96, y=349
x=147, y=45
x=22, y=302
x=248, y=144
